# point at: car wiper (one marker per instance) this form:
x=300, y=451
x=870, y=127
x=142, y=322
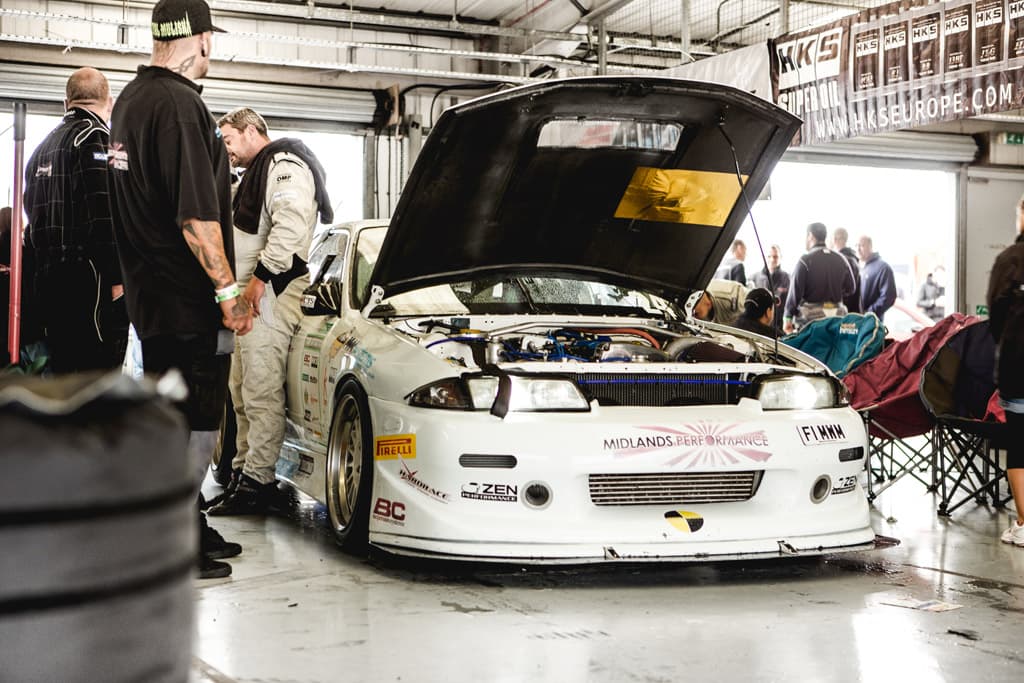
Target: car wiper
x=429, y=325
x=383, y=310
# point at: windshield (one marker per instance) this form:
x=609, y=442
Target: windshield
x=504, y=294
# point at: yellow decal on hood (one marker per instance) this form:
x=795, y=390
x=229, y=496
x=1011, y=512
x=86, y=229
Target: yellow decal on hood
x=680, y=196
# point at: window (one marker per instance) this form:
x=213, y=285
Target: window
x=596, y=133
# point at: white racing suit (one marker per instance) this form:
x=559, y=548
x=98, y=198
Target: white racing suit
x=259, y=363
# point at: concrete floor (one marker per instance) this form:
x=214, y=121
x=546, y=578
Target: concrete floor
x=300, y=610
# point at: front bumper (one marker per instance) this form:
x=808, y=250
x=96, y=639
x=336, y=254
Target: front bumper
x=426, y=503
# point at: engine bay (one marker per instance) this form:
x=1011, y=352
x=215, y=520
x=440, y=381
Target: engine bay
x=531, y=342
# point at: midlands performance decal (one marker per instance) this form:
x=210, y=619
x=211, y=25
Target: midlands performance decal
x=697, y=445
x=902, y=65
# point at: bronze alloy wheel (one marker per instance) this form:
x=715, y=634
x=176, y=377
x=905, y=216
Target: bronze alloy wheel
x=349, y=466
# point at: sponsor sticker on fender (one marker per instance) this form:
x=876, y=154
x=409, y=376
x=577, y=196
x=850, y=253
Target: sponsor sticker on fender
x=394, y=446
x=499, y=493
x=818, y=434
x=409, y=477
x=389, y=511
x=701, y=444
x=844, y=485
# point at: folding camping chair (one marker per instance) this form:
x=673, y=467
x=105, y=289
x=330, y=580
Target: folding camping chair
x=840, y=343
x=884, y=390
x=955, y=389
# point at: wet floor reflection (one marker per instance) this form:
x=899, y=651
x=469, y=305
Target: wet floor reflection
x=300, y=609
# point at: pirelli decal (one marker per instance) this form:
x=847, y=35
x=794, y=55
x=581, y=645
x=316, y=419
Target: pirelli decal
x=394, y=447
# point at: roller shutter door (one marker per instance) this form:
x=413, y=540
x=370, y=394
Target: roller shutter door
x=45, y=84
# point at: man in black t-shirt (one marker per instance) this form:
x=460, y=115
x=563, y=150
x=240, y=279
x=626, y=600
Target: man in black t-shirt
x=171, y=203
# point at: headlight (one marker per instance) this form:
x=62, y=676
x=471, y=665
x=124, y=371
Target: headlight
x=542, y=393
x=478, y=393
x=800, y=392
x=446, y=393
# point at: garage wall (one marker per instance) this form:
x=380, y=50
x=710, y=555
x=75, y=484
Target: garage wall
x=991, y=198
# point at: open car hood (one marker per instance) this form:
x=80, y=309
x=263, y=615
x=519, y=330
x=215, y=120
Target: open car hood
x=630, y=181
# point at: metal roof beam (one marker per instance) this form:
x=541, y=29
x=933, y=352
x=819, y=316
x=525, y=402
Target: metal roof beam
x=347, y=16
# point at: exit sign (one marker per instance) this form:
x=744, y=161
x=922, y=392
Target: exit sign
x=981, y=309
x=1013, y=138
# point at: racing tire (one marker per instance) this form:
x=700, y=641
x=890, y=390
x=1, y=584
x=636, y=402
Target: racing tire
x=226, y=448
x=349, y=481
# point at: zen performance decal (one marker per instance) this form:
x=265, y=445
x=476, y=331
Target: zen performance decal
x=844, y=485
x=700, y=444
x=500, y=493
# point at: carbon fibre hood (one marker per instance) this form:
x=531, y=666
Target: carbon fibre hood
x=626, y=180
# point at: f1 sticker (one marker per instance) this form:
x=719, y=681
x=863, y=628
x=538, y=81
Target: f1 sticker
x=394, y=447
x=690, y=522
x=815, y=434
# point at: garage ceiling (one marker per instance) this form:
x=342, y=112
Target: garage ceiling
x=353, y=46
x=456, y=40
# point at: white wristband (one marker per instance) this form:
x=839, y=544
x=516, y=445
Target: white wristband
x=227, y=293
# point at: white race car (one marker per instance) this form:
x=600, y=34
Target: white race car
x=504, y=372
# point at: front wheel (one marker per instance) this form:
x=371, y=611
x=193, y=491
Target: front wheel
x=350, y=467
x=226, y=448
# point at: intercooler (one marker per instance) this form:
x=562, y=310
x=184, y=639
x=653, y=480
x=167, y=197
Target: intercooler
x=673, y=488
x=636, y=389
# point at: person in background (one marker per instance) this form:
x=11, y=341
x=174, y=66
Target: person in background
x=840, y=237
x=821, y=280
x=5, y=281
x=758, y=313
x=928, y=298
x=732, y=268
x=877, y=281
x=171, y=202
x=1006, y=319
x=1005, y=298
x=77, y=284
x=275, y=214
x=721, y=302
x=779, y=281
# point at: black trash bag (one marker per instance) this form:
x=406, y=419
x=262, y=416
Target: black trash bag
x=98, y=531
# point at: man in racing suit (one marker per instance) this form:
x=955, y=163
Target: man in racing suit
x=77, y=285
x=275, y=213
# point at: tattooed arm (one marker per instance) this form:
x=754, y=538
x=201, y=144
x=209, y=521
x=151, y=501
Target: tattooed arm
x=205, y=241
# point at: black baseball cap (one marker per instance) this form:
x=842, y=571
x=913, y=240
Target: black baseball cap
x=174, y=19
x=759, y=300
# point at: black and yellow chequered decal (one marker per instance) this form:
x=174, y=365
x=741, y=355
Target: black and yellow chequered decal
x=690, y=522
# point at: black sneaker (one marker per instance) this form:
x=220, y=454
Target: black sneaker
x=228, y=490
x=210, y=568
x=249, y=498
x=213, y=545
